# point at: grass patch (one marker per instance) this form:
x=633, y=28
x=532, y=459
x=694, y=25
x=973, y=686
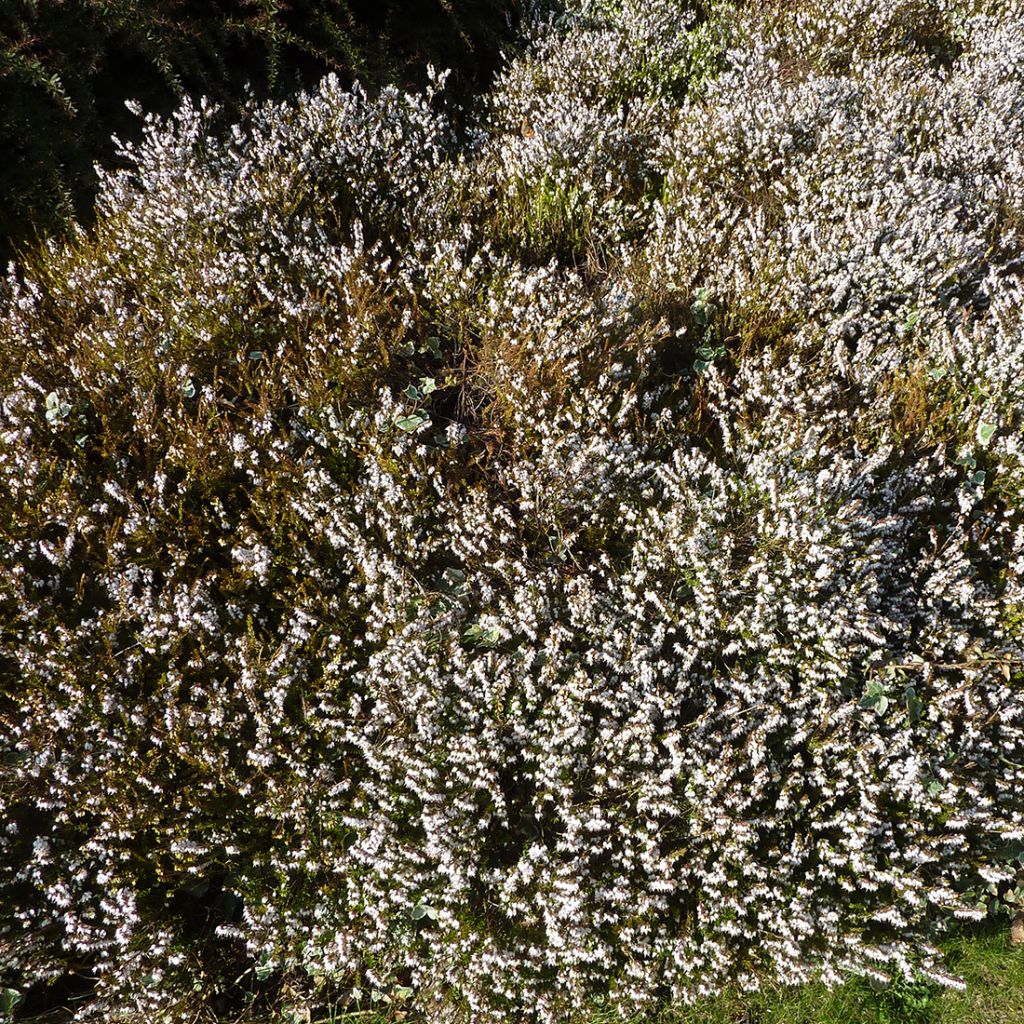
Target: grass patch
x=991, y=967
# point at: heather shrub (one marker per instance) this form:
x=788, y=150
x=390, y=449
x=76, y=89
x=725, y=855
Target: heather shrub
x=576, y=180
x=416, y=594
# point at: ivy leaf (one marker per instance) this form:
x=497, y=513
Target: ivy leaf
x=914, y=704
x=56, y=409
x=9, y=999
x=875, y=699
x=229, y=904
x=427, y=386
x=483, y=636
x=411, y=423
x=454, y=580
x=986, y=431
x=702, y=310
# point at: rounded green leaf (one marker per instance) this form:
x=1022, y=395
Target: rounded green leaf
x=410, y=423
x=9, y=1000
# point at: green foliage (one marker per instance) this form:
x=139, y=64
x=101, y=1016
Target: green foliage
x=10, y=998
x=906, y=1002
x=545, y=218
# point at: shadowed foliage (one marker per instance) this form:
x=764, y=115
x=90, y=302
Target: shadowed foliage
x=66, y=69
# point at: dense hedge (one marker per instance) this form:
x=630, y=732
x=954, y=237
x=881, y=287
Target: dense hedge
x=575, y=561
x=67, y=68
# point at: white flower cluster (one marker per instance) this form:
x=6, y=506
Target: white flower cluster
x=580, y=558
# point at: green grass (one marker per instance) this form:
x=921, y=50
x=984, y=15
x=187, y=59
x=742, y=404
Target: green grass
x=992, y=968
x=994, y=972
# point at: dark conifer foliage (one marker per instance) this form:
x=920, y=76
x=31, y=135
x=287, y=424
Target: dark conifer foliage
x=67, y=67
